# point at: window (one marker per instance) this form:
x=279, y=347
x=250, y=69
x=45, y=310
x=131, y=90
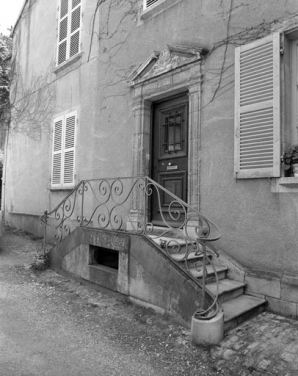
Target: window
x=291, y=57
x=63, y=160
x=151, y=8
x=257, y=109
x=69, y=30
x=148, y=3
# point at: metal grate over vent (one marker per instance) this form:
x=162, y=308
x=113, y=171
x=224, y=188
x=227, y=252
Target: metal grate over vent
x=62, y=53
x=75, y=3
x=75, y=19
x=63, y=29
x=149, y=3
x=74, y=44
x=63, y=8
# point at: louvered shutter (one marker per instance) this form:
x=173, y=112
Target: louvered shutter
x=69, y=33
x=149, y=3
x=257, y=108
x=57, y=152
x=69, y=149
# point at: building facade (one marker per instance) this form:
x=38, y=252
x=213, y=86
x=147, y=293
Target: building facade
x=199, y=95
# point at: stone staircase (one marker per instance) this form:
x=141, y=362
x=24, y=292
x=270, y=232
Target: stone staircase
x=236, y=304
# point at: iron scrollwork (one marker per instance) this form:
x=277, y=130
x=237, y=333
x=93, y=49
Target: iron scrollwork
x=123, y=204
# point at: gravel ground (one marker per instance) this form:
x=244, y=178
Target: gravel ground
x=51, y=325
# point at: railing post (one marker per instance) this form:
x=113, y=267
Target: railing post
x=204, y=276
x=45, y=232
x=82, y=206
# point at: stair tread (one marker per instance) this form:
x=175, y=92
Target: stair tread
x=224, y=285
x=157, y=239
x=191, y=256
x=237, y=306
x=178, y=256
x=210, y=270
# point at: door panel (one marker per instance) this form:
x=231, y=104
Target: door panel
x=169, y=156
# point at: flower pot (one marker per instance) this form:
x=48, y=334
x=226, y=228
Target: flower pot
x=295, y=169
x=208, y=332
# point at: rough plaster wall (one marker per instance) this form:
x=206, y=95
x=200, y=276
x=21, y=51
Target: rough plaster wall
x=77, y=261
x=259, y=227
x=27, y=168
x=155, y=280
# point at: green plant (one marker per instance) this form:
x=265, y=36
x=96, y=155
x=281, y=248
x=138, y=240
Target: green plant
x=290, y=156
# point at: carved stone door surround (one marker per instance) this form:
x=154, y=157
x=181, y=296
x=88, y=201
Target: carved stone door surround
x=175, y=70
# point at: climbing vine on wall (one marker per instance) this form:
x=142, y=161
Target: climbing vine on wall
x=5, y=57
x=224, y=76
x=112, y=22
x=32, y=103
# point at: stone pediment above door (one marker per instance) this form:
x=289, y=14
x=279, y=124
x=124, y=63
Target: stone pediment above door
x=159, y=63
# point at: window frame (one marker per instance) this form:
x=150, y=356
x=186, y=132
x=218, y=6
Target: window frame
x=63, y=150
x=156, y=8
x=69, y=33
x=145, y=6
x=249, y=148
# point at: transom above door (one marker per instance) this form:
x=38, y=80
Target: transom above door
x=170, y=157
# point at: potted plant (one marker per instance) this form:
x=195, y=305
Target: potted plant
x=290, y=159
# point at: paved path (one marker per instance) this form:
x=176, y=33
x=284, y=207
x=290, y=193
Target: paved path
x=53, y=326
x=265, y=345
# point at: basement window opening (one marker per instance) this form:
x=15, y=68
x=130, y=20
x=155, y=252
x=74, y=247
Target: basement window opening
x=104, y=257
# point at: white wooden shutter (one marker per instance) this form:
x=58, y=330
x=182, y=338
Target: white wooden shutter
x=63, y=160
x=257, y=108
x=149, y=3
x=69, y=149
x=57, y=152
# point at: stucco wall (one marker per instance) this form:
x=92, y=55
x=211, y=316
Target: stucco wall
x=145, y=274
x=259, y=227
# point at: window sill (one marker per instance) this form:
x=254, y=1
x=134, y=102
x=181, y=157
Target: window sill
x=68, y=65
x=157, y=8
x=285, y=185
x=62, y=189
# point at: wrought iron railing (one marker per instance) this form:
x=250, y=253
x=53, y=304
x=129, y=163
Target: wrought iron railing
x=124, y=204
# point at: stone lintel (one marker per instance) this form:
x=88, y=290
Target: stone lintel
x=106, y=239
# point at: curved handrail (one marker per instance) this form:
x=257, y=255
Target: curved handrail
x=202, y=217
x=122, y=204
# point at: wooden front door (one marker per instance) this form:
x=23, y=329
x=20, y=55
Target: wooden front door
x=169, y=157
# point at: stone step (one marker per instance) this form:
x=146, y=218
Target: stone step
x=175, y=233
x=240, y=309
x=160, y=240
x=192, y=257
x=173, y=244
x=220, y=270
x=227, y=289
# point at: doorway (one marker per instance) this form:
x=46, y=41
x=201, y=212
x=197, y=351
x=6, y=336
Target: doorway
x=169, y=158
